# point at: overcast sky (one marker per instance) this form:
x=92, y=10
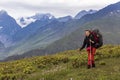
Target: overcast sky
x=18, y=8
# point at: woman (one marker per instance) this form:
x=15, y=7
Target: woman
x=89, y=43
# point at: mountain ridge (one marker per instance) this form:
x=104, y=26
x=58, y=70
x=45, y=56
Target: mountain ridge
x=44, y=34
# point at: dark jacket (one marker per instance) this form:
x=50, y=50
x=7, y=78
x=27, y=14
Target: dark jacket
x=87, y=43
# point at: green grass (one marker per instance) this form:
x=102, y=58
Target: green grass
x=67, y=65
x=109, y=71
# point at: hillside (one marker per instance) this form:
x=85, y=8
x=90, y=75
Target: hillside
x=67, y=65
x=108, y=26
x=44, y=36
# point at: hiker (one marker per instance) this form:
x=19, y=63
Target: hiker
x=89, y=43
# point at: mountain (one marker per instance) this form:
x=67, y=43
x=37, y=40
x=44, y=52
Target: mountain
x=51, y=36
x=101, y=13
x=46, y=16
x=39, y=21
x=8, y=24
x=8, y=27
x=83, y=13
x=65, y=19
x=106, y=20
x=30, y=29
x=25, y=21
x=41, y=33
x=42, y=36
x=108, y=26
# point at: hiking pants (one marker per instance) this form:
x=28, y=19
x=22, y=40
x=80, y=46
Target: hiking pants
x=91, y=52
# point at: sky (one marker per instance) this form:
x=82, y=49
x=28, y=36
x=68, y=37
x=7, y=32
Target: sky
x=58, y=8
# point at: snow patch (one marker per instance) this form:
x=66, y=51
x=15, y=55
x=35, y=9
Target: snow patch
x=23, y=22
x=1, y=27
x=118, y=10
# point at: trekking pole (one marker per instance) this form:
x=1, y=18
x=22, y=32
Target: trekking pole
x=90, y=55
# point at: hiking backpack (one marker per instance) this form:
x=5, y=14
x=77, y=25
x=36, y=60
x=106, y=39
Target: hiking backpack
x=98, y=38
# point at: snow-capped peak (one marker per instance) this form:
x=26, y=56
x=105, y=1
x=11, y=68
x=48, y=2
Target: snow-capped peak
x=24, y=21
x=39, y=16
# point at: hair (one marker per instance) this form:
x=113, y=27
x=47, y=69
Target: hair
x=88, y=30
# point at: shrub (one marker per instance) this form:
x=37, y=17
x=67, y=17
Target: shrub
x=40, y=65
x=102, y=63
x=28, y=70
x=76, y=63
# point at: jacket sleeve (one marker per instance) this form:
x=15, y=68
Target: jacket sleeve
x=84, y=44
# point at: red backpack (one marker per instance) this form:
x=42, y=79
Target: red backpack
x=98, y=38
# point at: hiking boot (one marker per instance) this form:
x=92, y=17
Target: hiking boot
x=88, y=67
x=93, y=65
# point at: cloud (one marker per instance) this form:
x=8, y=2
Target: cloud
x=57, y=7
